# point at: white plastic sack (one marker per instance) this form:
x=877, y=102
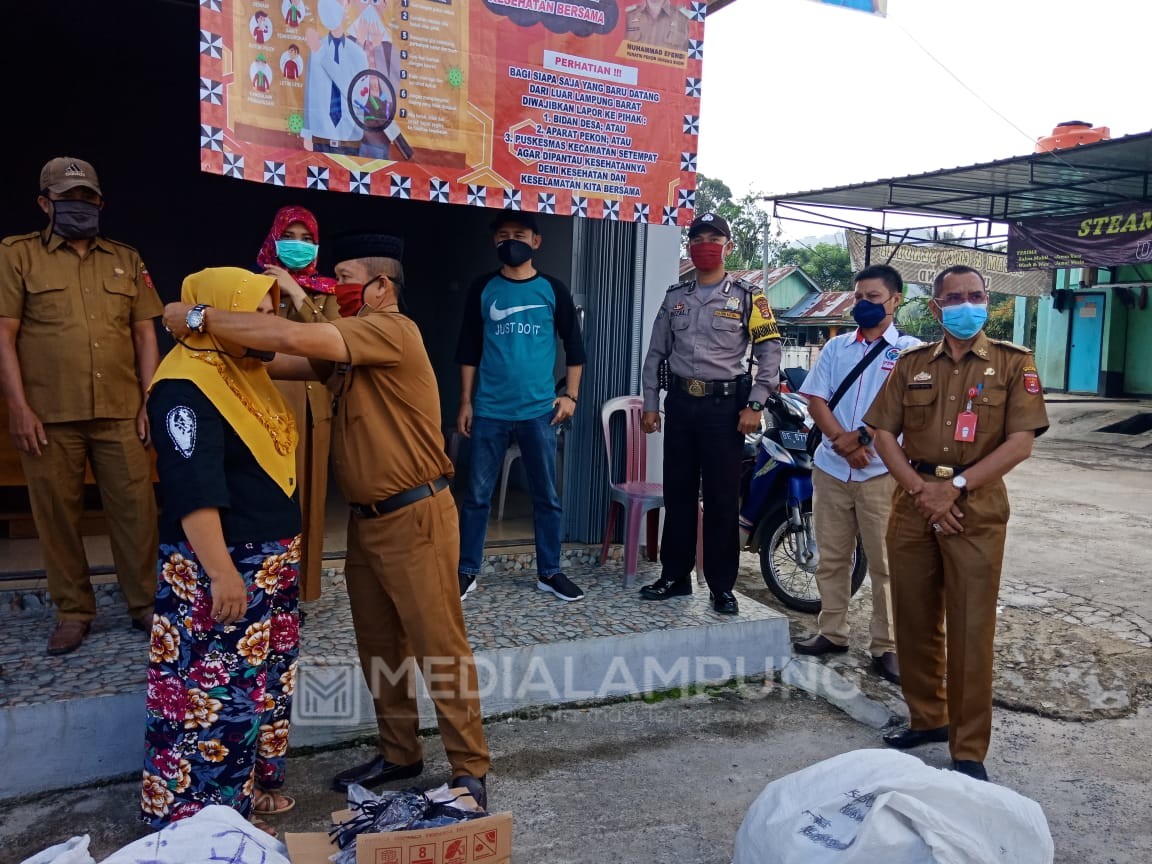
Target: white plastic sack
x=73, y=851
x=870, y=806
x=215, y=833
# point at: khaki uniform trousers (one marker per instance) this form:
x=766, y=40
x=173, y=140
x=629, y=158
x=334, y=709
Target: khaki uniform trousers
x=841, y=509
x=405, y=599
x=56, y=492
x=944, y=592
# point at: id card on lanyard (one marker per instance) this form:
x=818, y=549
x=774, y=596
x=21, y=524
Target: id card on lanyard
x=966, y=419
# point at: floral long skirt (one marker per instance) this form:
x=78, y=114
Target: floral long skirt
x=219, y=696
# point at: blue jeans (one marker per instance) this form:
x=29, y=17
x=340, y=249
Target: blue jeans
x=490, y=439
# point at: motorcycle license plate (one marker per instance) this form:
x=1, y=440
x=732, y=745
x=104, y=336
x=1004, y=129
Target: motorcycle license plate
x=794, y=440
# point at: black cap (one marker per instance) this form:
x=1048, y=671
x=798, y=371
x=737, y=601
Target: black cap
x=516, y=217
x=364, y=244
x=710, y=220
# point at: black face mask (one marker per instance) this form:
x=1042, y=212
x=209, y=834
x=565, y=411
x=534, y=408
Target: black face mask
x=513, y=252
x=75, y=220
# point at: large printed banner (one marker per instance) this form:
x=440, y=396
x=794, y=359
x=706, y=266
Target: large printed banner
x=920, y=264
x=1106, y=238
x=586, y=107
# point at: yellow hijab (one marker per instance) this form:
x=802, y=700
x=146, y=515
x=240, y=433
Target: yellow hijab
x=240, y=389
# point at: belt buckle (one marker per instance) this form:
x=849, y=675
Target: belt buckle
x=695, y=387
x=944, y=472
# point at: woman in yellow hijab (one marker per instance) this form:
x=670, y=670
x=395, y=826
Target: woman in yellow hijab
x=222, y=665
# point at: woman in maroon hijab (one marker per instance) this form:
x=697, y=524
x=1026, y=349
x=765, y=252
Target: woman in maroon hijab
x=289, y=255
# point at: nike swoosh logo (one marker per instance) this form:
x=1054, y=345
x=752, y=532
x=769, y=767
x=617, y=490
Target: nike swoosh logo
x=497, y=314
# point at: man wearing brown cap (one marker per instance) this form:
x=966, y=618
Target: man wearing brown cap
x=77, y=352
x=403, y=536
x=703, y=330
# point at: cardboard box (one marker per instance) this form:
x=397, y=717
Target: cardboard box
x=478, y=841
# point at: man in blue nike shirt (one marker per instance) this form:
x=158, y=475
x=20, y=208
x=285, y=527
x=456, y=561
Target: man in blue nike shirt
x=507, y=354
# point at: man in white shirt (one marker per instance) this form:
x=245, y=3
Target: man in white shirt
x=852, y=488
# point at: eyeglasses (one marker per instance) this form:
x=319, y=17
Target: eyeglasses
x=980, y=298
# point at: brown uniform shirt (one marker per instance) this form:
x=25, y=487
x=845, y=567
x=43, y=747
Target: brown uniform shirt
x=668, y=28
x=77, y=357
x=387, y=436
x=301, y=395
x=927, y=390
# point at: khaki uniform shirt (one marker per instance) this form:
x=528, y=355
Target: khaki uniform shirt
x=707, y=338
x=927, y=390
x=387, y=437
x=77, y=357
x=667, y=28
x=304, y=396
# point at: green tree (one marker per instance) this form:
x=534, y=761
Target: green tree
x=746, y=217
x=829, y=265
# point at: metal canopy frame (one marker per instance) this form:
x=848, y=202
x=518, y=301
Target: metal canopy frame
x=1059, y=183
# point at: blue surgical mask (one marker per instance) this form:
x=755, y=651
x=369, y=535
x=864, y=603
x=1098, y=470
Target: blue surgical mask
x=868, y=314
x=964, y=320
x=296, y=254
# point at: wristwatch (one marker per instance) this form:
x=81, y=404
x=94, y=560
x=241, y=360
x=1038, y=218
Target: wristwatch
x=756, y=406
x=865, y=436
x=194, y=320
x=959, y=481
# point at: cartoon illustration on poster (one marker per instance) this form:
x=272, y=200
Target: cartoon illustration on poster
x=585, y=107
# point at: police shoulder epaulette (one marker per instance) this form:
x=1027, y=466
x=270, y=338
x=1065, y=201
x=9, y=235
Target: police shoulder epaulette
x=111, y=242
x=18, y=238
x=919, y=347
x=741, y=282
x=687, y=283
x=1024, y=349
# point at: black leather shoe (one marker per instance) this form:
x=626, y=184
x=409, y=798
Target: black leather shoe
x=725, y=603
x=887, y=667
x=375, y=772
x=971, y=768
x=476, y=787
x=915, y=737
x=815, y=646
x=663, y=588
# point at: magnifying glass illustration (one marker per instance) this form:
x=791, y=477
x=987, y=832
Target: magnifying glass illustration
x=372, y=103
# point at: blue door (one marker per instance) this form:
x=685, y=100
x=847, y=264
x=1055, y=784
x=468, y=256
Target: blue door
x=1087, y=341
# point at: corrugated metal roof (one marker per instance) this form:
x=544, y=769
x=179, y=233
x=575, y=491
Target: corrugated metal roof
x=756, y=277
x=1058, y=183
x=828, y=306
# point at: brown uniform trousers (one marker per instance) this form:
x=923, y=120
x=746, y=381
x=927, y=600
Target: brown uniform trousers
x=123, y=473
x=401, y=567
x=944, y=588
x=311, y=405
x=78, y=369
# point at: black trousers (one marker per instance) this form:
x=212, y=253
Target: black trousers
x=702, y=454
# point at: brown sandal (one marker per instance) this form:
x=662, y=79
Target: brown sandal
x=265, y=827
x=272, y=802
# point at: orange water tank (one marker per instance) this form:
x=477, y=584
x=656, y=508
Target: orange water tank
x=1072, y=133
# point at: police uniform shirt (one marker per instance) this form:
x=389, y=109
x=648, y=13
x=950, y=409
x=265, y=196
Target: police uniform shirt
x=704, y=335
x=386, y=437
x=837, y=359
x=927, y=390
x=667, y=28
x=77, y=356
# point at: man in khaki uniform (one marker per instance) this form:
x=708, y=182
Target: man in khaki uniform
x=658, y=22
x=969, y=408
x=77, y=352
x=403, y=535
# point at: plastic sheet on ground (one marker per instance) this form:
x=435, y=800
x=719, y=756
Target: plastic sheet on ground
x=871, y=806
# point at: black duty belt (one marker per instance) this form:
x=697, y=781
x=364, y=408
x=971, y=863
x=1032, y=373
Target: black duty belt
x=400, y=499
x=698, y=388
x=944, y=472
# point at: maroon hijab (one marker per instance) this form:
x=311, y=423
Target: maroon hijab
x=307, y=277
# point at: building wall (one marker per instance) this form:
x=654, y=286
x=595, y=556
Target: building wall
x=1126, y=350
x=789, y=291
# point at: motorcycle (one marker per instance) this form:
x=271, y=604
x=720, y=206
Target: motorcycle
x=776, y=504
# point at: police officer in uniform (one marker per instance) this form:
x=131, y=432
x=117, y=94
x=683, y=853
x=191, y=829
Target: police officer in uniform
x=403, y=534
x=704, y=329
x=77, y=352
x=657, y=22
x=969, y=408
